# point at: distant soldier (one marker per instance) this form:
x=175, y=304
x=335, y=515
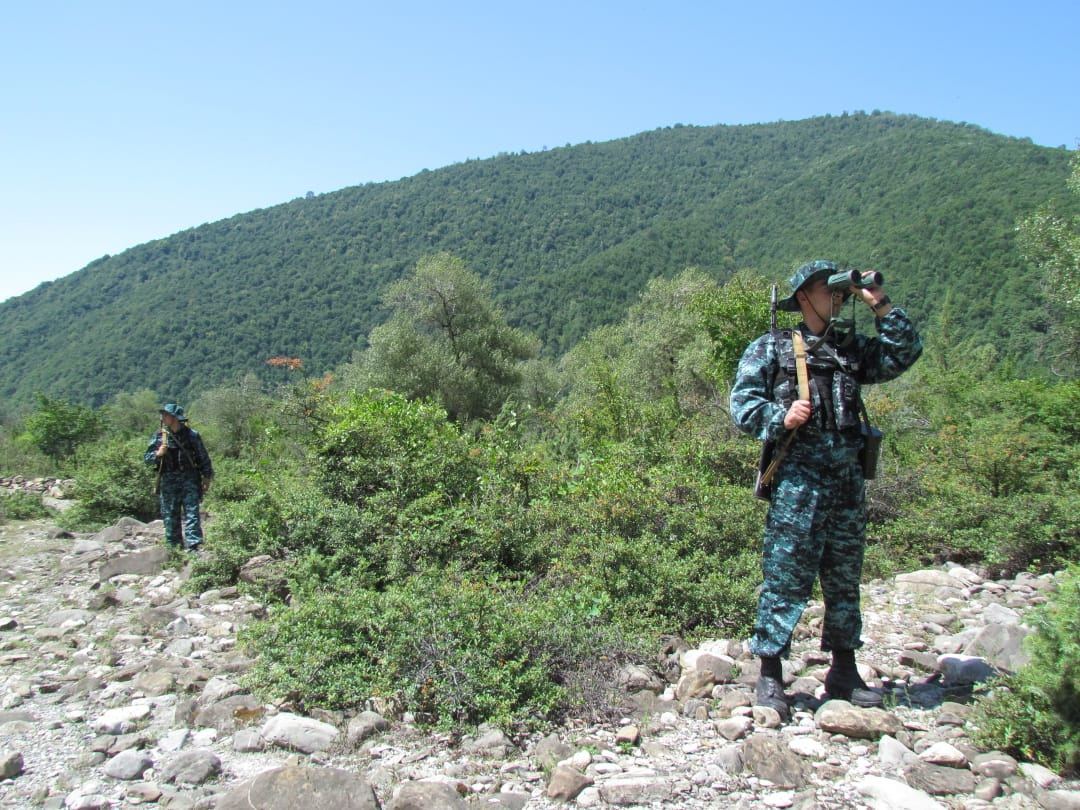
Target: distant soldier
x=184, y=476
x=816, y=523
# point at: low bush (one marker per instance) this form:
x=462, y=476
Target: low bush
x=111, y=481
x=1035, y=714
x=21, y=506
x=454, y=649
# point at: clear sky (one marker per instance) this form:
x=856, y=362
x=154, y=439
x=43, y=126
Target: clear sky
x=122, y=122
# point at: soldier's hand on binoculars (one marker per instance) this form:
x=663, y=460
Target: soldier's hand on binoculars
x=798, y=414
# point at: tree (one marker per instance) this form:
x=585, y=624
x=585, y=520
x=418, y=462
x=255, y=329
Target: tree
x=1051, y=241
x=57, y=427
x=447, y=340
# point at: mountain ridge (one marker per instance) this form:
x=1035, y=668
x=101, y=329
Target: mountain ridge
x=566, y=237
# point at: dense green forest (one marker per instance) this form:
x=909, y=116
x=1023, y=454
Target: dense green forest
x=567, y=239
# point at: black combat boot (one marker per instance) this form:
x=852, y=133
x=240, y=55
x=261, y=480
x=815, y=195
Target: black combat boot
x=770, y=687
x=843, y=682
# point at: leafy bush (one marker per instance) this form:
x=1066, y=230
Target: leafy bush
x=454, y=649
x=21, y=506
x=382, y=442
x=58, y=427
x=112, y=481
x=1035, y=714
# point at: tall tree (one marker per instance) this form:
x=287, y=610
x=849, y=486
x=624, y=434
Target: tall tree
x=1051, y=240
x=447, y=340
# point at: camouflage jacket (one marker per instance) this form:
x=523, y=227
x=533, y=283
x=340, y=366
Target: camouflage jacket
x=187, y=453
x=764, y=388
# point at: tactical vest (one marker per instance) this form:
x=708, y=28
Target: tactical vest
x=180, y=456
x=834, y=388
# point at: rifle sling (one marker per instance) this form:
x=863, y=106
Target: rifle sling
x=803, y=378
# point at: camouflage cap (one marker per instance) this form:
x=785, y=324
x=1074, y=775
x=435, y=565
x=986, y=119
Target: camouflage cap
x=819, y=268
x=174, y=410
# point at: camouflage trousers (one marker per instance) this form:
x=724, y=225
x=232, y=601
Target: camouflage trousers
x=816, y=526
x=180, y=509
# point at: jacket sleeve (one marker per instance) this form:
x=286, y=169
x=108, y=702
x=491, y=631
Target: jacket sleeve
x=751, y=403
x=202, y=458
x=894, y=350
x=150, y=456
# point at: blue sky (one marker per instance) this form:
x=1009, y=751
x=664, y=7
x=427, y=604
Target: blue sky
x=125, y=122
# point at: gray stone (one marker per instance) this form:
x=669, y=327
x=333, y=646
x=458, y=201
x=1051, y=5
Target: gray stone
x=190, y=767
x=299, y=733
x=11, y=765
x=840, y=717
x=767, y=717
x=628, y=735
x=807, y=747
x=59, y=617
x=635, y=790
x=566, y=783
x=248, y=740
x=730, y=759
x=217, y=689
x=229, y=714
x=155, y=684
x=1058, y=799
x=364, y=725
x=426, y=796
x=634, y=678
x=938, y=780
x=893, y=754
x=1039, y=775
x=987, y=789
x=146, y=562
x=995, y=764
x=551, y=750
x=121, y=720
x=768, y=758
x=290, y=788
x=888, y=794
x=1001, y=645
x=735, y=728
x=491, y=742
x=128, y=765
x=942, y=753
x=930, y=581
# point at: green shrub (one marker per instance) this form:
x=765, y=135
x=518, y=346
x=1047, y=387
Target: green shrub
x=1035, y=714
x=21, y=506
x=58, y=427
x=112, y=481
x=453, y=649
x=381, y=442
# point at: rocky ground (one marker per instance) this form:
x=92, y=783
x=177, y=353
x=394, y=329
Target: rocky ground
x=118, y=688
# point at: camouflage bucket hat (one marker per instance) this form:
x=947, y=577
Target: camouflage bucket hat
x=819, y=268
x=174, y=410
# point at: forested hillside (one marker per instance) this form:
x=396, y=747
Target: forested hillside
x=567, y=238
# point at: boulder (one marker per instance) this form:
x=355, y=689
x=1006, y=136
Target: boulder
x=292, y=787
x=426, y=796
x=299, y=733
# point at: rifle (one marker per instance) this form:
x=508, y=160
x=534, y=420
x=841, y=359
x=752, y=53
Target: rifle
x=161, y=461
x=770, y=458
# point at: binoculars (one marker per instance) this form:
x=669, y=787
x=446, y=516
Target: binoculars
x=853, y=278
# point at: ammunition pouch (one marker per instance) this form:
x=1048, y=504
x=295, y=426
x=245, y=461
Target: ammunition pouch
x=870, y=450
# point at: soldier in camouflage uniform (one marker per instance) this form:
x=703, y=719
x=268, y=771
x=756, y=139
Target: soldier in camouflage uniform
x=817, y=519
x=185, y=476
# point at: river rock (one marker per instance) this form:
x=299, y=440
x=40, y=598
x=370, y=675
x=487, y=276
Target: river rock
x=299, y=733
x=291, y=787
x=840, y=717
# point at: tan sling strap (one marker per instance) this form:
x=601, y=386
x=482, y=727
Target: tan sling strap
x=803, y=379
